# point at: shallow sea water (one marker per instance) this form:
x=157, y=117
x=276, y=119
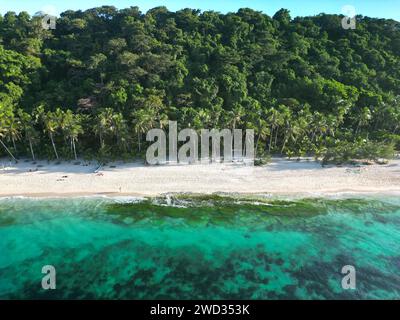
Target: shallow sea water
x=200, y=248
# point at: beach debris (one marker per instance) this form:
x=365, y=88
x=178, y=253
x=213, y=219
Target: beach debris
x=382, y=161
x=355, y=171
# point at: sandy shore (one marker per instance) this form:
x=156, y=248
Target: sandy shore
x=280, y=177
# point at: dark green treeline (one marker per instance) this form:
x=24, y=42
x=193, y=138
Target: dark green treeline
x=94, y=86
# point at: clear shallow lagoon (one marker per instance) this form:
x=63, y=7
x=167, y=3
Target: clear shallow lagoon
x=199, y=248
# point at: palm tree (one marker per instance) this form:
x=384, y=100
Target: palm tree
x=317, y=125
x=13, y=131
x=235, y=116
x=292, y=131
x=51, y=125
x=288, y=134
x=62, y=118
x=73, y=129
x=286, y=117
x=154, y=102
x=143, y=120
x=119, y=129
x=111, y=124
x=29, y=131
x=263, y=132
x=6, y=122
x=341, y=111
x=261, y=129
x=202, y=119
x=3, y=132
x=331, y=125
x=50, y=122
x=275, y=120
x=363, y=119
x=103, y=125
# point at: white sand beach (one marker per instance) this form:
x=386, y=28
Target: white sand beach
x=280, y=177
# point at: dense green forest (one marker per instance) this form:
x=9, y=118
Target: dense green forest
x=96, y=84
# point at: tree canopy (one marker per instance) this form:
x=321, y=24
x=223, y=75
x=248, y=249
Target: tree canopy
x=95, y=84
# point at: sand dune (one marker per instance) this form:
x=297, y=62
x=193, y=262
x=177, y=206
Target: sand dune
x=280, y=177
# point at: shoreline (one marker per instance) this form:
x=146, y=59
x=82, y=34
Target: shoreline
x=239, y=196
x=282, y=178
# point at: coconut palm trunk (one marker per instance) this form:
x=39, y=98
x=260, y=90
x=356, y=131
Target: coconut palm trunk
x=258, y=140
x=276, y=137
x=313, y=136
x=14, y=145
x=9, y=152
x=70, y=145
x=270, y=139
x=54, y=145
x=31, y=147
x=285, y=140
x=74, y=148
x=101, y=141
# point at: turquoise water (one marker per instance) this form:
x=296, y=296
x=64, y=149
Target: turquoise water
x=200, y=248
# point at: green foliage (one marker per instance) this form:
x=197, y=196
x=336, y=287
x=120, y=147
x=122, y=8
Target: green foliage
x=262, y=160
x=97, y=83
x=345, y=152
